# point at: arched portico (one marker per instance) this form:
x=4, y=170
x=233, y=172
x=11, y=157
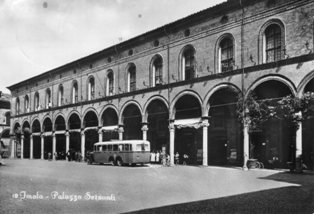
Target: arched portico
x=307, y=130
x=157, y=118
x=36, y=134
x=73, y=136
x=132, y=122
x=225, y=145
x=48, y=139
x=26, y=140
x=275, y=138
x=186, y=126
x=60, y=133
x=109, y=125
x=90, y=133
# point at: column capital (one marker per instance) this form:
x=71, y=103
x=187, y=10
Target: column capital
x=171, y=126
x=144, y=127
x=205, y=122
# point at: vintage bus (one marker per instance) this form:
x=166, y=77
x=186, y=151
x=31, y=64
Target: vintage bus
x=120, y=152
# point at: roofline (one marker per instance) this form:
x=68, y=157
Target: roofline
x=211, y=12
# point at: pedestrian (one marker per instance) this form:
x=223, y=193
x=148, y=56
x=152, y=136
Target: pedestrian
x=152, y=157
x=168, y=160
x=49, y=156
x=177, y=157
x=69, y=155
x=157, y=155
x=185, y=159
x=163, y=159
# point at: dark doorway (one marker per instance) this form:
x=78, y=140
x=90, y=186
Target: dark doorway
x=132, y=121
x=158, y=131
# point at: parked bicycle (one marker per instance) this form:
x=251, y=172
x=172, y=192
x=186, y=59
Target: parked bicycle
x=255, y=164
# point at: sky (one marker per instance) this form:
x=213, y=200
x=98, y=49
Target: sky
x=40, y=35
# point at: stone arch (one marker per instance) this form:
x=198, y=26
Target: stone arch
x=131, y=118
x=125, y=105
x=206, y=105
x=72, y=113
x=178, y=96
x=88, y=111
x=35, y=124
x=278, y=78
x=108, y=107
x=16, y=127
x=47, y=125
x=57, y=125
x=151, y=99
x=304, y=83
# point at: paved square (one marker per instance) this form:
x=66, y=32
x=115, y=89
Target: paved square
x=72, y=187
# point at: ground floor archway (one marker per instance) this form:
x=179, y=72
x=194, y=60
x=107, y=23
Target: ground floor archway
x=36, y=147
x=225, y=136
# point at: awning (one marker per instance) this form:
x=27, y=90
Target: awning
x=195, y=123
x=110, y=128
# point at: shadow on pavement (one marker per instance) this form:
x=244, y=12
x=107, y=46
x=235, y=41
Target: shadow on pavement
x=296, y=199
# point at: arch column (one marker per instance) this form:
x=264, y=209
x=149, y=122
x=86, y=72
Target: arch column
x=83, y=144
x=54, y=142
x=205, y=125
x=172, y=134
x=31, y=147
x=246, y=148
x=42, y=146
x=144, y=130
x=67, y=141
x=298, y=144
x=22, y=146
x=120, y=131
x=13, y=145
x=100, y=134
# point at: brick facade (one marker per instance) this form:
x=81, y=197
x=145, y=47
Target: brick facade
x=245, y=24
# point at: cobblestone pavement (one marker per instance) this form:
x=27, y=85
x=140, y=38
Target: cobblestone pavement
x=40, y=186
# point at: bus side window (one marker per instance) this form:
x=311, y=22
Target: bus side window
x=130, y=147
x=109, y=147
x=104, y=148
x=126, y=147
x=98, y=148
x=115, y=147
x=121, y=147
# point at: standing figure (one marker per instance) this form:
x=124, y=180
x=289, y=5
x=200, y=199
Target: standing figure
x=177, y=157
x=157, y=155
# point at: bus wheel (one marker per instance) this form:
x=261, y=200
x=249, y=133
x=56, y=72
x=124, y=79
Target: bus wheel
x=111, y=162
x=119, y=162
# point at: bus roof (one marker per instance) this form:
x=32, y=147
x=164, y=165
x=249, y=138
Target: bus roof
x=121, y=142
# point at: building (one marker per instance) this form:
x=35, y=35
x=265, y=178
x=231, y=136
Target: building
x=5, y=139
x=178, y=86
